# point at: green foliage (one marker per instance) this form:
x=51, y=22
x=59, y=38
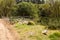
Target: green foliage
x=31, y=23
x=55, y=9
x=44, y=10
x=55, y=36
x=44, y=13
x=6, y=7
x=55, y=14
x=27, y=9
x=44, y=6
x=50, y=15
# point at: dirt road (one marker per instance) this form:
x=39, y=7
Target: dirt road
x=6, y=32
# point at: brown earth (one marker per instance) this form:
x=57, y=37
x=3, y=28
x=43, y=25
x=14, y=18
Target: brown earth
x=6, y=31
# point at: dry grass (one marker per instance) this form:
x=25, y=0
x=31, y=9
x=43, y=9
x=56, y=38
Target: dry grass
x=33, y=32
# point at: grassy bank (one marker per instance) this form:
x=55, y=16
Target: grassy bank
x=33, y=32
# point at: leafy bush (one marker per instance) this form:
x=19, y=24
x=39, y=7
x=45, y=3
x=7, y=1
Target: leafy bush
x=44, y=13
x=27, y=9
x=55, y=15
x=7, y=7
x=50, y=15
x=31, y=23
x=55, y=36
x=44, y=6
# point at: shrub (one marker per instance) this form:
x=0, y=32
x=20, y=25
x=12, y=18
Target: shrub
x=31, y=23
x=50, y=15
x=52, y=27
x=27, y=9
x=7, y=7
x=55, y=36
x=44, y=6
x=44, y=14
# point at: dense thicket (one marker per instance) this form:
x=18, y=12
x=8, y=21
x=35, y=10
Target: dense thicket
x=50, y=16
x=6, y=7
x=27, y=9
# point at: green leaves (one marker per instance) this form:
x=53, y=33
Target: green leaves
x=6, y=7
x=27, y=9
x=55, y=36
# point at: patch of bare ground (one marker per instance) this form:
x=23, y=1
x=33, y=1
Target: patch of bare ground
x=6, y=31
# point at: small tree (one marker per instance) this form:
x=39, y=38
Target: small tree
x=27, y=9
x=6, y=7
x=50, y=15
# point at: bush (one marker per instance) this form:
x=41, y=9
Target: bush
x=50, y=15
x=44, y=6
x=52, y=27
x=44, y=14
x=31, y=23
x=7, y=7
x=44, y=10
x=55, y=36
x=27, y=9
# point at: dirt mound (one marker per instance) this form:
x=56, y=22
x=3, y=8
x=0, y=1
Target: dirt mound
x=6, y=31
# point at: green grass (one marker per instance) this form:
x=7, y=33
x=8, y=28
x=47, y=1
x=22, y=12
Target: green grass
x=55, y=36
x=32, y=32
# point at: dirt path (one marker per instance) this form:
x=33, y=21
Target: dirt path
x=6, y=32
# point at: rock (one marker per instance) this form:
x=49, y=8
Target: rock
x=44, y=32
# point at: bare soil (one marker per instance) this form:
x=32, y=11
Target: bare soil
x=6, y=31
